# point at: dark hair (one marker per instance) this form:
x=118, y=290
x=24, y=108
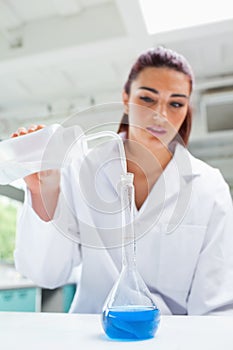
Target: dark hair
x=161, y=57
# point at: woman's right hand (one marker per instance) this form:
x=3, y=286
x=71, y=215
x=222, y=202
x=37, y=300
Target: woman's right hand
x=32, y=181
x=44, y=185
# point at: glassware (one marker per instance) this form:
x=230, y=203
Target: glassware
x=129, y=312
x=85, y=139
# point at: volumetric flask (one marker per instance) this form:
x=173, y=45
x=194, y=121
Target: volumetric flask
x=129, y=312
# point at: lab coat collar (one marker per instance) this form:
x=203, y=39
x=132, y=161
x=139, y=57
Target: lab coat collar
x=187, y=166
x=173, y=189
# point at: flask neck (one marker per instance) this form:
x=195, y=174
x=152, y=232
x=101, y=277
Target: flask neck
x=128, y=234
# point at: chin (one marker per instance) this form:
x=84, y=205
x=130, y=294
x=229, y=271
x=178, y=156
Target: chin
x=163, y=140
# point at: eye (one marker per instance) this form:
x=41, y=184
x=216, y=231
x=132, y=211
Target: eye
x=177, y=104
x=146, y=99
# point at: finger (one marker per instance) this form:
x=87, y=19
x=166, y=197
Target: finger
x=32, y=128
x=22, y=131
x=14, y=134
x=40, y=126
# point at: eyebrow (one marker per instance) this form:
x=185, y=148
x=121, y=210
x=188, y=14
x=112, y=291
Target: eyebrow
x=157, y=92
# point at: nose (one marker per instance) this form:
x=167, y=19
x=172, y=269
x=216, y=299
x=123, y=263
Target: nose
x=159, y=118
x=160, y=111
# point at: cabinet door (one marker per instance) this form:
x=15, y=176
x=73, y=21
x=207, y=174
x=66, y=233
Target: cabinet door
x=22, y=299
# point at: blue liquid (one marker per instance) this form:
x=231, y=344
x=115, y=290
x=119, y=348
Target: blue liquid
x=131, y=323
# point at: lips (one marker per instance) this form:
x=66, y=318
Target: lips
x=156, y=130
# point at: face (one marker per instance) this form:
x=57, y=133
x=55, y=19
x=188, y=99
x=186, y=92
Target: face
x=157, y=105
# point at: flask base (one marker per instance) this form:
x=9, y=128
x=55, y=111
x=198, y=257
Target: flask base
x=131, y=323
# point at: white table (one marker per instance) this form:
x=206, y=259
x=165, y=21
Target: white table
x=37, y=331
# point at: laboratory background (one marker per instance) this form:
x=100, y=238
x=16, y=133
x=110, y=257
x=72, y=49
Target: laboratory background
x=59, y=57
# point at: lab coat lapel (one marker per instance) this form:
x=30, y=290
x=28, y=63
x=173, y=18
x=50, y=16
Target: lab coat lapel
x=173, y=186
x=179, y=176
x=179, y=173
x=170, y=195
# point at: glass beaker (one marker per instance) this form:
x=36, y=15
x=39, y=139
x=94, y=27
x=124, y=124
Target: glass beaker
x=129, y=311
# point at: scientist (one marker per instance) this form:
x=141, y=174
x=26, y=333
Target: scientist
x=183, y=207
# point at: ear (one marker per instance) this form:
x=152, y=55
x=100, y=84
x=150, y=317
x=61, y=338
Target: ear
x=125, y=99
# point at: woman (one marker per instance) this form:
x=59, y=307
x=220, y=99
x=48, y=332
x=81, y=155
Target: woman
x=183, y=219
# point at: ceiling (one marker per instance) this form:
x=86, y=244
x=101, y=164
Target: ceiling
x=57, y=56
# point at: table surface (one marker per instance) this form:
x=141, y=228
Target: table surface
x=82, y=331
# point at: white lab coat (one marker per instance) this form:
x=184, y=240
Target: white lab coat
x=184, y=231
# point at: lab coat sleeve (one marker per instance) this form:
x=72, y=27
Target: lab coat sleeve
x=44, y=252
x=212, y=287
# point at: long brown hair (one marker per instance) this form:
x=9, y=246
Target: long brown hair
x=161, y=57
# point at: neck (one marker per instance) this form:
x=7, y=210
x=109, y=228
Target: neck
x=149, y=157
